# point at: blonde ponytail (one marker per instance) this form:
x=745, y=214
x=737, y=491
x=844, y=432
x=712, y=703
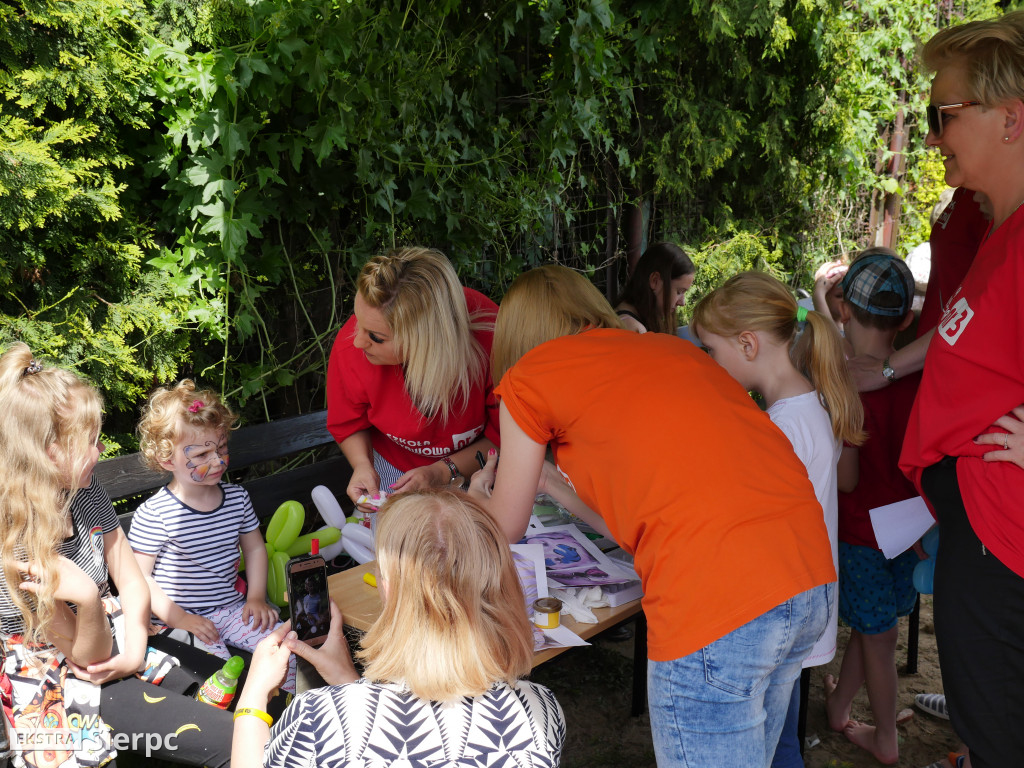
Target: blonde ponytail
x=818, y=353
x=756, y=301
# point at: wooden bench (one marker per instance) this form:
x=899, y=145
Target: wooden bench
x=278, y=461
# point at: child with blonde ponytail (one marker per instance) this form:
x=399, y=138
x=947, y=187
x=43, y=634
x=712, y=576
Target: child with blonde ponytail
x=750, y=326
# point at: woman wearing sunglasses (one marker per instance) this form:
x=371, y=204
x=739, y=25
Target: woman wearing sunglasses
x=969, y=471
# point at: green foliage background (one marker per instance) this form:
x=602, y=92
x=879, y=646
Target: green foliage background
x=189, y=188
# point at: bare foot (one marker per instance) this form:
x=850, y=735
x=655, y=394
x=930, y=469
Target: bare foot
x=866, y=737
x=837, y=718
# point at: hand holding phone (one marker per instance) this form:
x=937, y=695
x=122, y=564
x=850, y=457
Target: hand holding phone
x=308, y=598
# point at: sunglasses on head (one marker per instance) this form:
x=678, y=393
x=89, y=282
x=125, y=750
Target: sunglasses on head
x=934, y=114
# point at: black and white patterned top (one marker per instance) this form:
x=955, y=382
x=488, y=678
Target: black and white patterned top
x=92, y=515
x=367, y=725
x=196, y=552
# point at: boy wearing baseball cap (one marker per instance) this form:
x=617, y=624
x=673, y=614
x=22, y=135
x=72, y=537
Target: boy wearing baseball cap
x=873, y=592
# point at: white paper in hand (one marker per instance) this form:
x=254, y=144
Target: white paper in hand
x=897, y=526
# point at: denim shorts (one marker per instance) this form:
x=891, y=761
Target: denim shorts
x=724, y=705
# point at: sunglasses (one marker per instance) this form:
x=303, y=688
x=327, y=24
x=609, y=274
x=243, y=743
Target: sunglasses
x=934, y=113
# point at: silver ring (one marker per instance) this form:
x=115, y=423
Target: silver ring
x=1006, y=441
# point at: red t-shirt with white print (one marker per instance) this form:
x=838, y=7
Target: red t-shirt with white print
x=955, y=239
x=973, y=374
x=361, y=395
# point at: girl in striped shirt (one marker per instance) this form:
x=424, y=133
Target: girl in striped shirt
x=186, y=537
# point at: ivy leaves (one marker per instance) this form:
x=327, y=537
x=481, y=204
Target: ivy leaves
x=188, y=183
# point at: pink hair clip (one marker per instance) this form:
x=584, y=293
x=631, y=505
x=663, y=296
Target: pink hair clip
x=196, y=405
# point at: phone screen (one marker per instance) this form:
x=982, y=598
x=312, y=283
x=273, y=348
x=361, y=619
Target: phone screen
x=308, y=598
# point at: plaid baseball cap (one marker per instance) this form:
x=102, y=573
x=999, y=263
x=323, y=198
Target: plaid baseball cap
x=880, y=284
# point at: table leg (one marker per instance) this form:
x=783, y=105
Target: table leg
x=639, y=666
x=805, y=692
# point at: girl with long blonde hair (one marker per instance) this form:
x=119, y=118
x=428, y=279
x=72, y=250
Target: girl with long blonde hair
x=72, y=649
x=751, y=326
x=49, y=445
x=442, y=663
x=408, y=394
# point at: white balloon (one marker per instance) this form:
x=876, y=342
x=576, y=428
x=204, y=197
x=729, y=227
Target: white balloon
x=331, y=551
x=358, y=542
x=328, y=507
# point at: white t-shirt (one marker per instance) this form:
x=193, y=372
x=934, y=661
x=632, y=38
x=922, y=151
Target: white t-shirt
x=804, y=420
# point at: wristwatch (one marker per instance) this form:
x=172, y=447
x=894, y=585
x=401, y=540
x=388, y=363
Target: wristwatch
x=888, y=372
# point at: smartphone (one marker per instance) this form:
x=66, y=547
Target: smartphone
x=308, y=598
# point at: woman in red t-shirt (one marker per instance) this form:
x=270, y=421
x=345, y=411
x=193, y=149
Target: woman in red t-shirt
x=409, y=397
x=974, y=376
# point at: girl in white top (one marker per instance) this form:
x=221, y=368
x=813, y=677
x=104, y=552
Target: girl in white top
x=750, y=326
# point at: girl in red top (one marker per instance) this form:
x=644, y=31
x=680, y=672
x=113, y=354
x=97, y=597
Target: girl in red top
x=409, y=397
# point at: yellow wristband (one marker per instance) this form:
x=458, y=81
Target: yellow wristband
x=254, y=713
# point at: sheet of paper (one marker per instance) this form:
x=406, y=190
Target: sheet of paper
x=561, y=637
x=529, y=560
x=572, y=560
x=535, y=524
x=897, y=526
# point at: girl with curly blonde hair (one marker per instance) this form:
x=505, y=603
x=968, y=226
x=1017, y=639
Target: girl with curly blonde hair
x=186, y=536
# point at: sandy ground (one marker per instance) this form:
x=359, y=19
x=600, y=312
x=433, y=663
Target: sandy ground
x=923, y=740
x=594, y=686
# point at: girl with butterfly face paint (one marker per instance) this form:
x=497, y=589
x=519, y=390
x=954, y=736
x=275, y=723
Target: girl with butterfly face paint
x=187, y=536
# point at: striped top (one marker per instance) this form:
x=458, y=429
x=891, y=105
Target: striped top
x=196, y=552
x=92, y=515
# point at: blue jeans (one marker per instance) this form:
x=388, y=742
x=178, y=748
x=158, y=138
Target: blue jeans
x=725, y=704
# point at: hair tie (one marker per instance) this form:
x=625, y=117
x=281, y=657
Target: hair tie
x=801, y=314
x=34, y=366
x=196, y=405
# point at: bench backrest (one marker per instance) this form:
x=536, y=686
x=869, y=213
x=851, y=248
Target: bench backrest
x=265, y=458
